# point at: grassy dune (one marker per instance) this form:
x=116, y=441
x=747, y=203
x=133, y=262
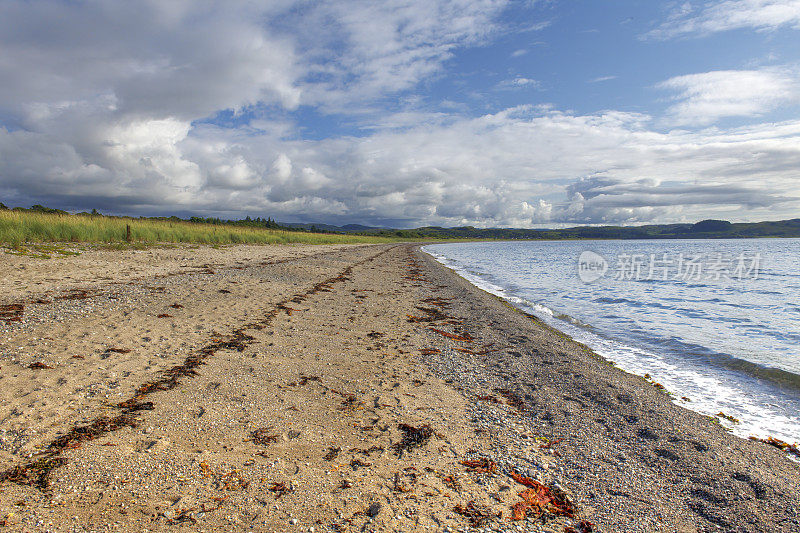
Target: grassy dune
x=20, y=227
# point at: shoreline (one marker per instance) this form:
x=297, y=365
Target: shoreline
x=365, y=382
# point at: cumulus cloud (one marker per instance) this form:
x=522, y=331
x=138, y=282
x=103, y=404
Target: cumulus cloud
x=717, y=16
x=705, y=97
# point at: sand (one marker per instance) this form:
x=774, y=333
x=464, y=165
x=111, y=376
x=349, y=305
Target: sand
x=277, y=393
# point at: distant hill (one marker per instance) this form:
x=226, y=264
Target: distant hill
x=347, y=228
x=705, y=229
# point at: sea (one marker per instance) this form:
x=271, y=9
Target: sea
x=716, y=322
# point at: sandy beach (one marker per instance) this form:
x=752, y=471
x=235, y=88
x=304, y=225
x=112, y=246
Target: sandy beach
x=338, y=388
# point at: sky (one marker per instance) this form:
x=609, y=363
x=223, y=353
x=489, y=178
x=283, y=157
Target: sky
x=404, y=113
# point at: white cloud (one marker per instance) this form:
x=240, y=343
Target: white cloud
x=602, y=78
x=705, y=97
x=519, y=83
x=362, y=50
x=717, y=16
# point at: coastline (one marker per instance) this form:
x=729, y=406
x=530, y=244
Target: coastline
x=335, y=354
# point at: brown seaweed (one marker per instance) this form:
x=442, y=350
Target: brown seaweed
x=74, y=294
x=538, y=499
x=280, y=488
x=263, y=436
x=512, y=398
x=482, y=465
x=11, y=312
x=413, y=437
x=332, y=454
x=777, y=443
x=461, y=338
x=118, y=350
x=478, y=515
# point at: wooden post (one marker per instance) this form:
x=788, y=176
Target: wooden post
x=127, y=233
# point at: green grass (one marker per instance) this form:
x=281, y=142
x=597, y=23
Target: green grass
x=18, y=228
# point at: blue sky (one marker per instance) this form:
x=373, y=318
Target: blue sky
x=404, y=113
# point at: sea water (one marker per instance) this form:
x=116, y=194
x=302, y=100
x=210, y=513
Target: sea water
x=716, y=322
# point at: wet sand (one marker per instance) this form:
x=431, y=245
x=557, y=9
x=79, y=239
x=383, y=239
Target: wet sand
x=346, y=388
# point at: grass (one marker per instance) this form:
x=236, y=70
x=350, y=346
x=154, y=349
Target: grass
x=18, y=228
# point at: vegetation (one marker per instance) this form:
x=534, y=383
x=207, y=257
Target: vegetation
x=22, y=226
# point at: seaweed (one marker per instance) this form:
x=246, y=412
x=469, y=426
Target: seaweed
x=367, y=451
x=582, y=526
x=164, y=315
x=464, y=350
x=74, y=294
x=303, y=381
x=280, y=488
x=11, y=312
x=461, y=338
x=263, y=437
x=36, y=473
x=350, y=402
x=438, y=302
x=538, y=499
x=547, y=445
x=232, y=480
x=39, y=365
x=134, y=404
x=777, y=443
x=118, y=350
x=332, y=454
x=489, y=398
x=729, y=418
x=432, y=315
x=288, y=310
x=477, y=514
x=176, y=306
x=429, y=351
x=482, y=465
x=512, y=398
x=355, y=464
x=99, y=427
x=399, y=486
x=413, y=437
x=184, y=516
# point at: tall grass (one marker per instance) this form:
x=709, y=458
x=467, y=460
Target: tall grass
x=21, y=227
